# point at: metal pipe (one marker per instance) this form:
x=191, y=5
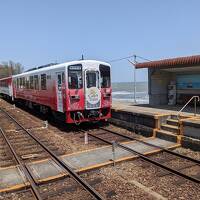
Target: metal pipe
x=134, y=78
x=194, y=97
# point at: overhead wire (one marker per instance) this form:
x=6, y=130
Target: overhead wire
x=127, y=57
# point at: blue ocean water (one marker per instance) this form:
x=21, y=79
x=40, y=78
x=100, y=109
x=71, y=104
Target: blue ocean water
x=124, y=91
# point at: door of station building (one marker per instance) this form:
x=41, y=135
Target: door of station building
x=59, y=82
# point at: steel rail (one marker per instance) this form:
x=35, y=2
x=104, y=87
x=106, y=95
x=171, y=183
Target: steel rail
x=156, y=146
x=22, y=165
x=142, y=156
x=77, y=178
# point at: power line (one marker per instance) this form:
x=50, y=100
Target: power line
x=127, y=57
x=143, y=58
x=118, y=59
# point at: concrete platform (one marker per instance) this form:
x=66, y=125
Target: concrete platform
x=150, y=110
x=191, y=127
x=147, y=121
x=46, y=170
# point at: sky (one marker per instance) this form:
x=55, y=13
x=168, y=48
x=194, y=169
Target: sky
x=38, y=32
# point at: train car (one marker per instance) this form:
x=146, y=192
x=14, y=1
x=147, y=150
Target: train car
x=76, y=91
x=6, y=87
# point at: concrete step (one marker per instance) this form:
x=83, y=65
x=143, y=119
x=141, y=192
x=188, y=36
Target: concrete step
x=166, y=135
x=173, y=122
x=170, y=128
x=180, y=117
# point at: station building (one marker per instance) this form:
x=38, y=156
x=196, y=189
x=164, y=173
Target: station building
x=172, y=81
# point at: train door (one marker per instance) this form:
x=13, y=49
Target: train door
x=59, y=81
x=92, y=90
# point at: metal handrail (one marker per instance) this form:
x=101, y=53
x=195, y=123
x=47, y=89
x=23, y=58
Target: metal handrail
x=196, y=98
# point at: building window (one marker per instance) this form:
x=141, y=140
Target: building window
x=43, y=82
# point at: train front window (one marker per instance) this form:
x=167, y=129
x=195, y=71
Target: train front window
x=92, y=79
x=105, y=76
x=75, y=80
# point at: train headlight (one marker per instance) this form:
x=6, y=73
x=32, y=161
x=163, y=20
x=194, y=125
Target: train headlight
x=75, y=97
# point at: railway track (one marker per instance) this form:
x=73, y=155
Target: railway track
x=185, y=162
x=25, y=147
x=6, y=158
x=98, y=134
x=40, y=149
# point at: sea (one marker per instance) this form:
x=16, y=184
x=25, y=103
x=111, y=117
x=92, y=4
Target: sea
x=124, y=92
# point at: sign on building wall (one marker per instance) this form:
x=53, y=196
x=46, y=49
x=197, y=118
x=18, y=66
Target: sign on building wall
x=191, y=81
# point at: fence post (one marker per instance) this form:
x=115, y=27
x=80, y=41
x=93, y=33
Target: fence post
x=45, y=124
x=113, y=152
x=86, y=138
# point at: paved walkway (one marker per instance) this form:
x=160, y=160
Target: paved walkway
x=147, y=110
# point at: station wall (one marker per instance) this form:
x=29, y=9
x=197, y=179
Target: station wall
x=187, y=82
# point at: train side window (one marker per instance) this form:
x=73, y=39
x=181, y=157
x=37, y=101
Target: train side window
x=59, y=80
x=105, y=76
x=49, y=77
x=14, y=82
x=27, y=82
x=43, y=82
x=63, y=77
x=36, y=82
x=18, y=83
x=23, y=82
x=31, y=82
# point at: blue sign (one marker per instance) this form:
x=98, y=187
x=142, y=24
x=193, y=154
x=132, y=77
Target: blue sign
x=188, y=81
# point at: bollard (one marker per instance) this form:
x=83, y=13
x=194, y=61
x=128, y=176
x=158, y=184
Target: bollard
x=86, y=138
x=45, y=124
x=14, y=106
x=113, y=152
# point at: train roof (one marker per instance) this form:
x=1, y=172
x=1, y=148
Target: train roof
x=57, y=66
x=6, y=78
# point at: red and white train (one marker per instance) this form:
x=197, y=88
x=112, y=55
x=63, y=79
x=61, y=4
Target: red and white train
x=79, y=91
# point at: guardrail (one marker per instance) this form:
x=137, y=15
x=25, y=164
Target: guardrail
x=196, y=99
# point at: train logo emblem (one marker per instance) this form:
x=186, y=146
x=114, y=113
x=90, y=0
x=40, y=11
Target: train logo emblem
x=93, y=95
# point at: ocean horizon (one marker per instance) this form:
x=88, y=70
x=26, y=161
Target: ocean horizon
x=124, y=91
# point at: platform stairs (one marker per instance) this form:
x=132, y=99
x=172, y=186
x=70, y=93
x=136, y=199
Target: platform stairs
x=170, y=126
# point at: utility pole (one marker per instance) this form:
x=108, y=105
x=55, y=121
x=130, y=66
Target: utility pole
x=134, y=77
